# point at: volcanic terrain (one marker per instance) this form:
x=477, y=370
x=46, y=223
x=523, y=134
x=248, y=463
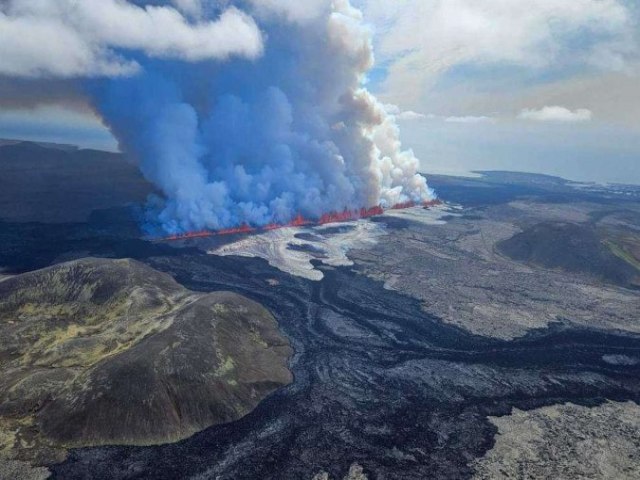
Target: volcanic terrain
x=100, y=352
x=420, y=347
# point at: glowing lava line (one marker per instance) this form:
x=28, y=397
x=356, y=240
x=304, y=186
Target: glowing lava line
x=334, y=217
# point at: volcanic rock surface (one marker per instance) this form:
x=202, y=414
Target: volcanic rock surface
x=566, y=441
x=293, y=250
x=408, y=355
x=96, y=352
x=502, y=271
x=573, y=248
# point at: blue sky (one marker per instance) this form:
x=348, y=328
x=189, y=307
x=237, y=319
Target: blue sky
x=548, y=86
x=56, y=124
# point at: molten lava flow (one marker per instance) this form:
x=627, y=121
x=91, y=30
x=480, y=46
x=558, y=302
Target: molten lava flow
x=402, y=206
x=236, y=230
x=334, y=217
x=299, y=221
x=271, y=226
x=432, y=203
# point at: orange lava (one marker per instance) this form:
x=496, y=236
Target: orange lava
x=334, y=217
x=432, y=203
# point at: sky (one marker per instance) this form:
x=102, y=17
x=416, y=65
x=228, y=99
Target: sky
x=547, y=86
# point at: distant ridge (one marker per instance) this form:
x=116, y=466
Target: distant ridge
x=54, y=146
x=56, y=183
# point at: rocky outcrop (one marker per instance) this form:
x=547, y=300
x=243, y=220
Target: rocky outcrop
x=97, y=352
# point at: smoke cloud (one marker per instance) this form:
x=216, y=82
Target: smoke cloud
x=70, y=38
x=254, y=112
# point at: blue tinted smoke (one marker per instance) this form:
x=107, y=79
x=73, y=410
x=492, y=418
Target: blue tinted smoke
x=259, y=141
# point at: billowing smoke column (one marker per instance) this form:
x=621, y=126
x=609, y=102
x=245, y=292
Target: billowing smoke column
x=261, y=137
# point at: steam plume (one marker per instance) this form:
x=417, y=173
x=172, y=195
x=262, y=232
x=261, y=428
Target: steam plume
x=268, y=121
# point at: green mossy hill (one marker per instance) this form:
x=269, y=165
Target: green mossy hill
x=572, y=248
x=96, y=352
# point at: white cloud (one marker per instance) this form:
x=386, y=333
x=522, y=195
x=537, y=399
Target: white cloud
x=410, y=115
x=424, y=38
x=556, y=114
x=67, y=38
x=392, y=109
x=469, y=119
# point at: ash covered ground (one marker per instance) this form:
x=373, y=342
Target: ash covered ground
x=422, y=340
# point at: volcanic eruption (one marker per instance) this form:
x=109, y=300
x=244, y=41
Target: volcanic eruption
x=244, y=113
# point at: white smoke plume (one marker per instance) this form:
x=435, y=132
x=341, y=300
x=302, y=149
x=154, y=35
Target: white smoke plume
x=271, y=122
